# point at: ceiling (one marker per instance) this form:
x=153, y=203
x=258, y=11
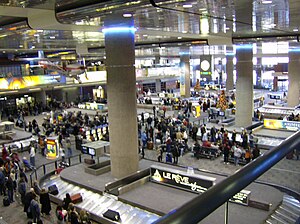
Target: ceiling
x=164, y=27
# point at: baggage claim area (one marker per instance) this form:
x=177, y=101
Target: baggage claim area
x=149, y=111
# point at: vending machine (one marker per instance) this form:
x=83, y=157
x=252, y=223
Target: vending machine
x=52, y=147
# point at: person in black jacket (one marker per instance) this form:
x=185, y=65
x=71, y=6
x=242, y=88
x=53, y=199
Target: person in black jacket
x=27, y=200
x=45, y=202
x=67, y=200
x=10, y=187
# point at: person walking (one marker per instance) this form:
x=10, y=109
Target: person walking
x=237, y=153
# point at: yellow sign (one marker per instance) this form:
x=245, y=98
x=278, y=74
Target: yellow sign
x=198, y=111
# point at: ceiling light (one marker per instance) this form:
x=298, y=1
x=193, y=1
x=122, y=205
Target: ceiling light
x=4, y=35
x=40, y=31
x=266, y=1
x=179, y=38
x=36, y=35
x=3, y=51
x=32, y=47
x=20, y=45
x=187, y=6
x=202, y=9
x=145, y=35
x=52, y=37
x=227, y=28
x=295, y=30
x=127, y=15
x=184, y=31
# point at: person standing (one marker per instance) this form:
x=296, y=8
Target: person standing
x=2, y=182
x=10, y=187
x=32, y=156
x=233, y=136
x=35, y=209
x=22, y=189
x=45, y=202
x=69, y=149
x=255, y=152
x=237, y=153
x=226, y=150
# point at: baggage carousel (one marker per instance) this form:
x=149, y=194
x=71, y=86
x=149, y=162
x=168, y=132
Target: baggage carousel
x=97, y=204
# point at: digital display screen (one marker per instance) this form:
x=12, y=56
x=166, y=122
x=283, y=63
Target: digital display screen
x=84, y=149
x=91, y=151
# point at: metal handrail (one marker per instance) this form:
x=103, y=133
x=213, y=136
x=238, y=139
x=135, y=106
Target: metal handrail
x=203, y=205
x=34, y=172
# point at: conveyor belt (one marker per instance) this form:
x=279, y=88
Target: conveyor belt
x=98, y=204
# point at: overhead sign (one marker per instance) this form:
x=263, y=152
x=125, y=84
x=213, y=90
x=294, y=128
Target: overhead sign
x=280, y=124
x=241, y=198
x=178, y=179
x=30, y=81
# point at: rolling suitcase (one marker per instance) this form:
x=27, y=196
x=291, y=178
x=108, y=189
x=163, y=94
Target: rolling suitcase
x=76, y=198
x=6, y=201
x=53, y=189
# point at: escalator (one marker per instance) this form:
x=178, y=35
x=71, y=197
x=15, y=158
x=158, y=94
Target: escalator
x=97, y=204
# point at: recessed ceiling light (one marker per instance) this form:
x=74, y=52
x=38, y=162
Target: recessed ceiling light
x=187, y=6
x=179, y=38
x=127, y=15
x=295, y=30
x=266, y=1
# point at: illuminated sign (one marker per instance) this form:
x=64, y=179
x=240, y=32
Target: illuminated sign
x=241, y=198
x=174, y=178
x=280, y=124
x=205, y=65
x=29, y=81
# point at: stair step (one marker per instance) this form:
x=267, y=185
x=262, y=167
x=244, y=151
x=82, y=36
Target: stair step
x=285, y=217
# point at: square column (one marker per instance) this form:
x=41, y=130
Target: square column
x=185, y=83
x=294, y=78
x=121, y=94
x=229, y=72
x=244, y=86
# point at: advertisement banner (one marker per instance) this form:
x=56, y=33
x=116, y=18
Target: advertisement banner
x=30, y=81
x=280, y=124
x=178, y=179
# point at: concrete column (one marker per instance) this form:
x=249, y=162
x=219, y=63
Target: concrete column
x=121, y=80
x=294, y=78
x=229, y=72
x=185, y=83
x=41, y=97
x=244, y=86
x=158, y=85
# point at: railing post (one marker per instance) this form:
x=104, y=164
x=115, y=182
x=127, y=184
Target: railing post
x=44, y=169
x=226, y=213
x=80, y=158
x=31, y=184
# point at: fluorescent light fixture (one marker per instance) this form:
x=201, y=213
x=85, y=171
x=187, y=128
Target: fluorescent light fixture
x=127, y=15
x=36, y=35
x=266, y=2
x=20, y=45
x=187, y=6
x=35, y=89
x=4, y=35
x=52, y=37
x=118, y=29
x=40, y=31
x=145, y=35
x=295, y=30
x=184, y=31
x=179, y=38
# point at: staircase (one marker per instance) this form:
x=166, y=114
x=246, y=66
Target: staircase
x=287, y=213
x=97, y=204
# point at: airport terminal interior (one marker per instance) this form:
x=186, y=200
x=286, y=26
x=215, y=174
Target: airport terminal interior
x=150, y=111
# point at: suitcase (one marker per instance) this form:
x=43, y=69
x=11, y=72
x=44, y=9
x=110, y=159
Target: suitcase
x=76, y=198
x=150, y=145
x=112, y=215
x=6, y=201
x=53, y=189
